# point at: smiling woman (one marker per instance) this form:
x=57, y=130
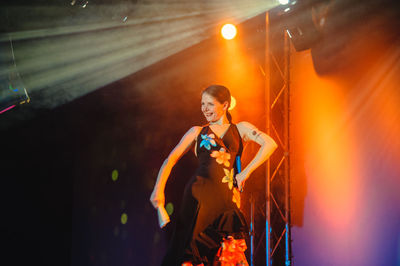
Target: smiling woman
x=211, y=108
x=214, y=103
x=210, y=220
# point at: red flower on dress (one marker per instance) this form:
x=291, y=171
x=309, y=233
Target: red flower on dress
x=188, y=263
x=231, y=252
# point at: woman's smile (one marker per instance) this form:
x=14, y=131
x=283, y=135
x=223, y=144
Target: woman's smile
x=211, y=108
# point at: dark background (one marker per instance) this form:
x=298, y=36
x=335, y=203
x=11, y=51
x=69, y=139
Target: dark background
x=60, y=203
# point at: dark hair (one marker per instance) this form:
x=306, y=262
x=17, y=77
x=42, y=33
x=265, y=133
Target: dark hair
x=221, y=94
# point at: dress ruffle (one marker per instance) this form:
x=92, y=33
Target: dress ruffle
x=230, y=224
x=231, y=253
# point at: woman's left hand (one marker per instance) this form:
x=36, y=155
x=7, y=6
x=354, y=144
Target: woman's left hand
x=240, y=179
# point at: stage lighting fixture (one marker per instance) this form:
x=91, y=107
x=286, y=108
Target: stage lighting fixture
x=228, y=31
x=12, y=92
x=12, y=89
x=298, y=22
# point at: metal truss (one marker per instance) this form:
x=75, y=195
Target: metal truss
x=276, y=237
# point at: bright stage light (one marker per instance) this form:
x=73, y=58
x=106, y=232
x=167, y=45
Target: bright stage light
x=283, y=2
x=233, y=103
x=54, y=60
x=228, y=31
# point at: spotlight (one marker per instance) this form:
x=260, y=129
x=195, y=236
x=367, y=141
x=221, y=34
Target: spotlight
x=283, y=2
x=228, y=31
x=298, y=22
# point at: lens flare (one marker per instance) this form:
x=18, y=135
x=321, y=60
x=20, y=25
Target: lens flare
x=124, y=218
x=114, y=175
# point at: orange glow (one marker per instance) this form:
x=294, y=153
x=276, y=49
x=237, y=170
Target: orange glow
x=237, y=70
x=228, y=31
x=345, y=152
x=329, y=146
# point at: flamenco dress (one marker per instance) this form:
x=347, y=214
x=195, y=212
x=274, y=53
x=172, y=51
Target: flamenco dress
x=210, y=214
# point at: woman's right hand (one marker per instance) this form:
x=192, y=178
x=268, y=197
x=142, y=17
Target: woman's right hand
x=157, y=198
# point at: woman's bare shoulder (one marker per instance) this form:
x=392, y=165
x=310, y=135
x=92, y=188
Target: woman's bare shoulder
x=246, y=129
x=245, y=126
x=193, y=131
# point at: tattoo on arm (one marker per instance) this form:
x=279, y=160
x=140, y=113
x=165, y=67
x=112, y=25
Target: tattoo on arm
x=255, y=133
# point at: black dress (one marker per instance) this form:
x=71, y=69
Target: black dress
x=210, y=207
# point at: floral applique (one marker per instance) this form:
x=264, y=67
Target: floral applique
x=222, y=157
x=208, y=141
x=228, y=178
x=236, y=197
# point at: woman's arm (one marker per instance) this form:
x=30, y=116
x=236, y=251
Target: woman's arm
x=157, y=196
x=248, y=132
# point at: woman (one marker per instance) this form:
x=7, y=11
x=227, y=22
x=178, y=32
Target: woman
x=210, y=211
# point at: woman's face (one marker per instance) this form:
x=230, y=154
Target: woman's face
x=212, y=109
